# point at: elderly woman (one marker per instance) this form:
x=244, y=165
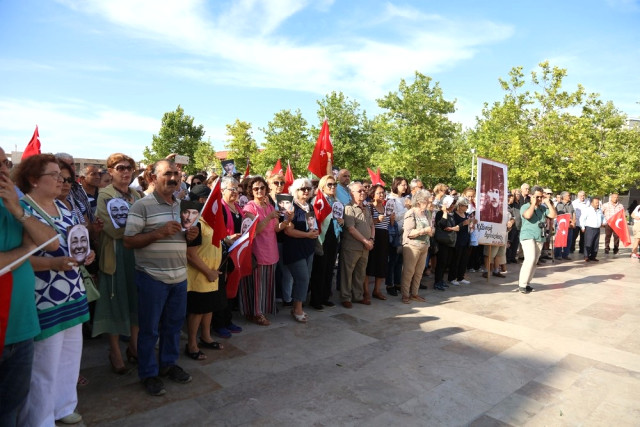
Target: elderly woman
x=256, y=295
x=60, y=299
x=117, y=309
x=445, y=235
x=399, y=191
x=283, y=277
x=458, y=263
x=299, y=245
x=322, y=271
x=378, y=257
x=416, y=235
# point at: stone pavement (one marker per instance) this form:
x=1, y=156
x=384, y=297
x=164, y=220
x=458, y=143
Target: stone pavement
x=480, y=355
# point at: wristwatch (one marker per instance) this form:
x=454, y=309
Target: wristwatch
x=25, y=215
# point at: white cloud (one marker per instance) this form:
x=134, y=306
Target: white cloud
x=247, y=46
x=73, y=126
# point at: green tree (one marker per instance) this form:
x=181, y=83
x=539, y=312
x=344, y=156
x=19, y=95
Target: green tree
x=204, y=158
x=351, y=133
x=563, y=140
x=286, y=138
x=178, y=135
x=241, y=144
x=418, y=135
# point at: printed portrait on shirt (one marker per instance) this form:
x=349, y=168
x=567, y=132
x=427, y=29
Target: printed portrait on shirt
x=78, y=242
x=118, y=211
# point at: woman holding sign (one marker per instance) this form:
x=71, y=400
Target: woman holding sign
x=60, y=299
x=117, y=309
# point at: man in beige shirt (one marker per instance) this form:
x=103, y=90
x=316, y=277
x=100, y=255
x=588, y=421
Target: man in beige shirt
x=357, y=241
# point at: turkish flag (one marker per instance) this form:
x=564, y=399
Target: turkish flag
x=563, y=230
x=240, y=255
x=322, y=209
x=33, y=147
x=246, y=171
x=375, y=177
x=277, y=169
x=212, y=213
x=6, y=286
x=288, y=178
x=618, y=223
x=322, y=153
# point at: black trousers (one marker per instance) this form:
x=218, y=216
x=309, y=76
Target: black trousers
x=591, y=242
x=458, y=264
x=322, y=270
x=445, y=253
x=576, y=232
x=514, y=241
x=608, y=231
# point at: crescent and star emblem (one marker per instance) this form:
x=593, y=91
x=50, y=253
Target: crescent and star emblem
x=617, y=221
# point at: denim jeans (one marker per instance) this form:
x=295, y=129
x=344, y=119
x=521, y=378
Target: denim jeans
x=394, y=267
x=164, y=306
x=15, y=377
x=300, y=271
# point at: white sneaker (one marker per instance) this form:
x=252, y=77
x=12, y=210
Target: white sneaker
x=482, y=270
x=635, y=256
x=72, y=418
x=455, y=283
x=465, y=282
x=472, y=270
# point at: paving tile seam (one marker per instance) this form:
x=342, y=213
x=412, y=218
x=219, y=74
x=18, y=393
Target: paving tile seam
x=532, y=336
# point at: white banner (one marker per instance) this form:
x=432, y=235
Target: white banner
x=491, y=202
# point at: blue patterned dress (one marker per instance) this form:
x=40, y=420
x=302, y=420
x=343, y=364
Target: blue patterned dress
x=61, y=300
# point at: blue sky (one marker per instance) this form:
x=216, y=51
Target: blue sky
x=97, y=75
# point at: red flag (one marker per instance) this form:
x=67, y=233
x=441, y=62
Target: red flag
x=277, y=169
x=212, y=213
x=322, y=153
x=33, y=147
x=322, y=209
x=6, y=286
x=246, y=171
x=618, y=223
x=375, y=177
x=240, y=255
x=288, y=178
x=563, y=230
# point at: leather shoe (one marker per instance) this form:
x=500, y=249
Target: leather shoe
x=498, y=274
x=391, y=290
x=485, y=275
x=347, y=304
x=365, y=301
x=379, y=296
x=586, y=259
x=594, y=259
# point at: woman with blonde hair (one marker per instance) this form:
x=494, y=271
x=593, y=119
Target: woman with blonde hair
x=415, y=244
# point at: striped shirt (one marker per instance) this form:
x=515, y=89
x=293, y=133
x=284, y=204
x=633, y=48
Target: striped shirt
x=165, y=259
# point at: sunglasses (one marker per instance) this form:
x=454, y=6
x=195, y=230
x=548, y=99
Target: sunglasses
x=67, y=180
x=362, y=191
x=332, y=185
x=196, y=183
x=258, y=188
x=278, y=183
x=122, y=168
x=304, y=189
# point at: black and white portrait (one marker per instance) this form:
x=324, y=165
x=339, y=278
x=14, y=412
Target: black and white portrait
x=337, y=210
x=118, y=210
x=492, y=194
x=228, y=167
x=78, y=242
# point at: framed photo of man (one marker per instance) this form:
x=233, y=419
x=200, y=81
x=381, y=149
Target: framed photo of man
x=491, y=202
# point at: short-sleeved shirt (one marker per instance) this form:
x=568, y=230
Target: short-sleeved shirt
x=23, y=318
x=360, y=218
x=297, y=248
x=530, y=228
x=165, y=259
x=265, y=245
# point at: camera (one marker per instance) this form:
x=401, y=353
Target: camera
x=543, y=230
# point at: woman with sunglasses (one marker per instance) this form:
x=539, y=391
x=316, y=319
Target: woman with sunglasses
x=276, y=186
x=256, y=294
x=322, y=271
x=117, y=309
x=299, y=245
x=60, y=300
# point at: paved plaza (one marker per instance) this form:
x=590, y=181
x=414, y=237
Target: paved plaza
x=480, y=355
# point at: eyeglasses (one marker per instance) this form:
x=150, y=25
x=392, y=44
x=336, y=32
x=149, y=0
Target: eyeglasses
x=304, y=189
x=331, y=184
x=233, y=190
x=7, y=163
x=366, y=186
x=68, y=180
x=122, y=168
x=278, y=183
x=261, y=188
x=362, y=191
x=55, y=175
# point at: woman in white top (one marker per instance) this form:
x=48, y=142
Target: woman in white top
x=401, y=201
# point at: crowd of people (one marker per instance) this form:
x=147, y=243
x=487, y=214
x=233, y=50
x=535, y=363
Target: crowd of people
x=153, y=270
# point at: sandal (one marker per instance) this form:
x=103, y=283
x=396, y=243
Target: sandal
x=195, y=355
x=301, y=318
x=214, y=345
x=406, y=300
x=379, y=296
x=418, y=298
x=261, y=320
